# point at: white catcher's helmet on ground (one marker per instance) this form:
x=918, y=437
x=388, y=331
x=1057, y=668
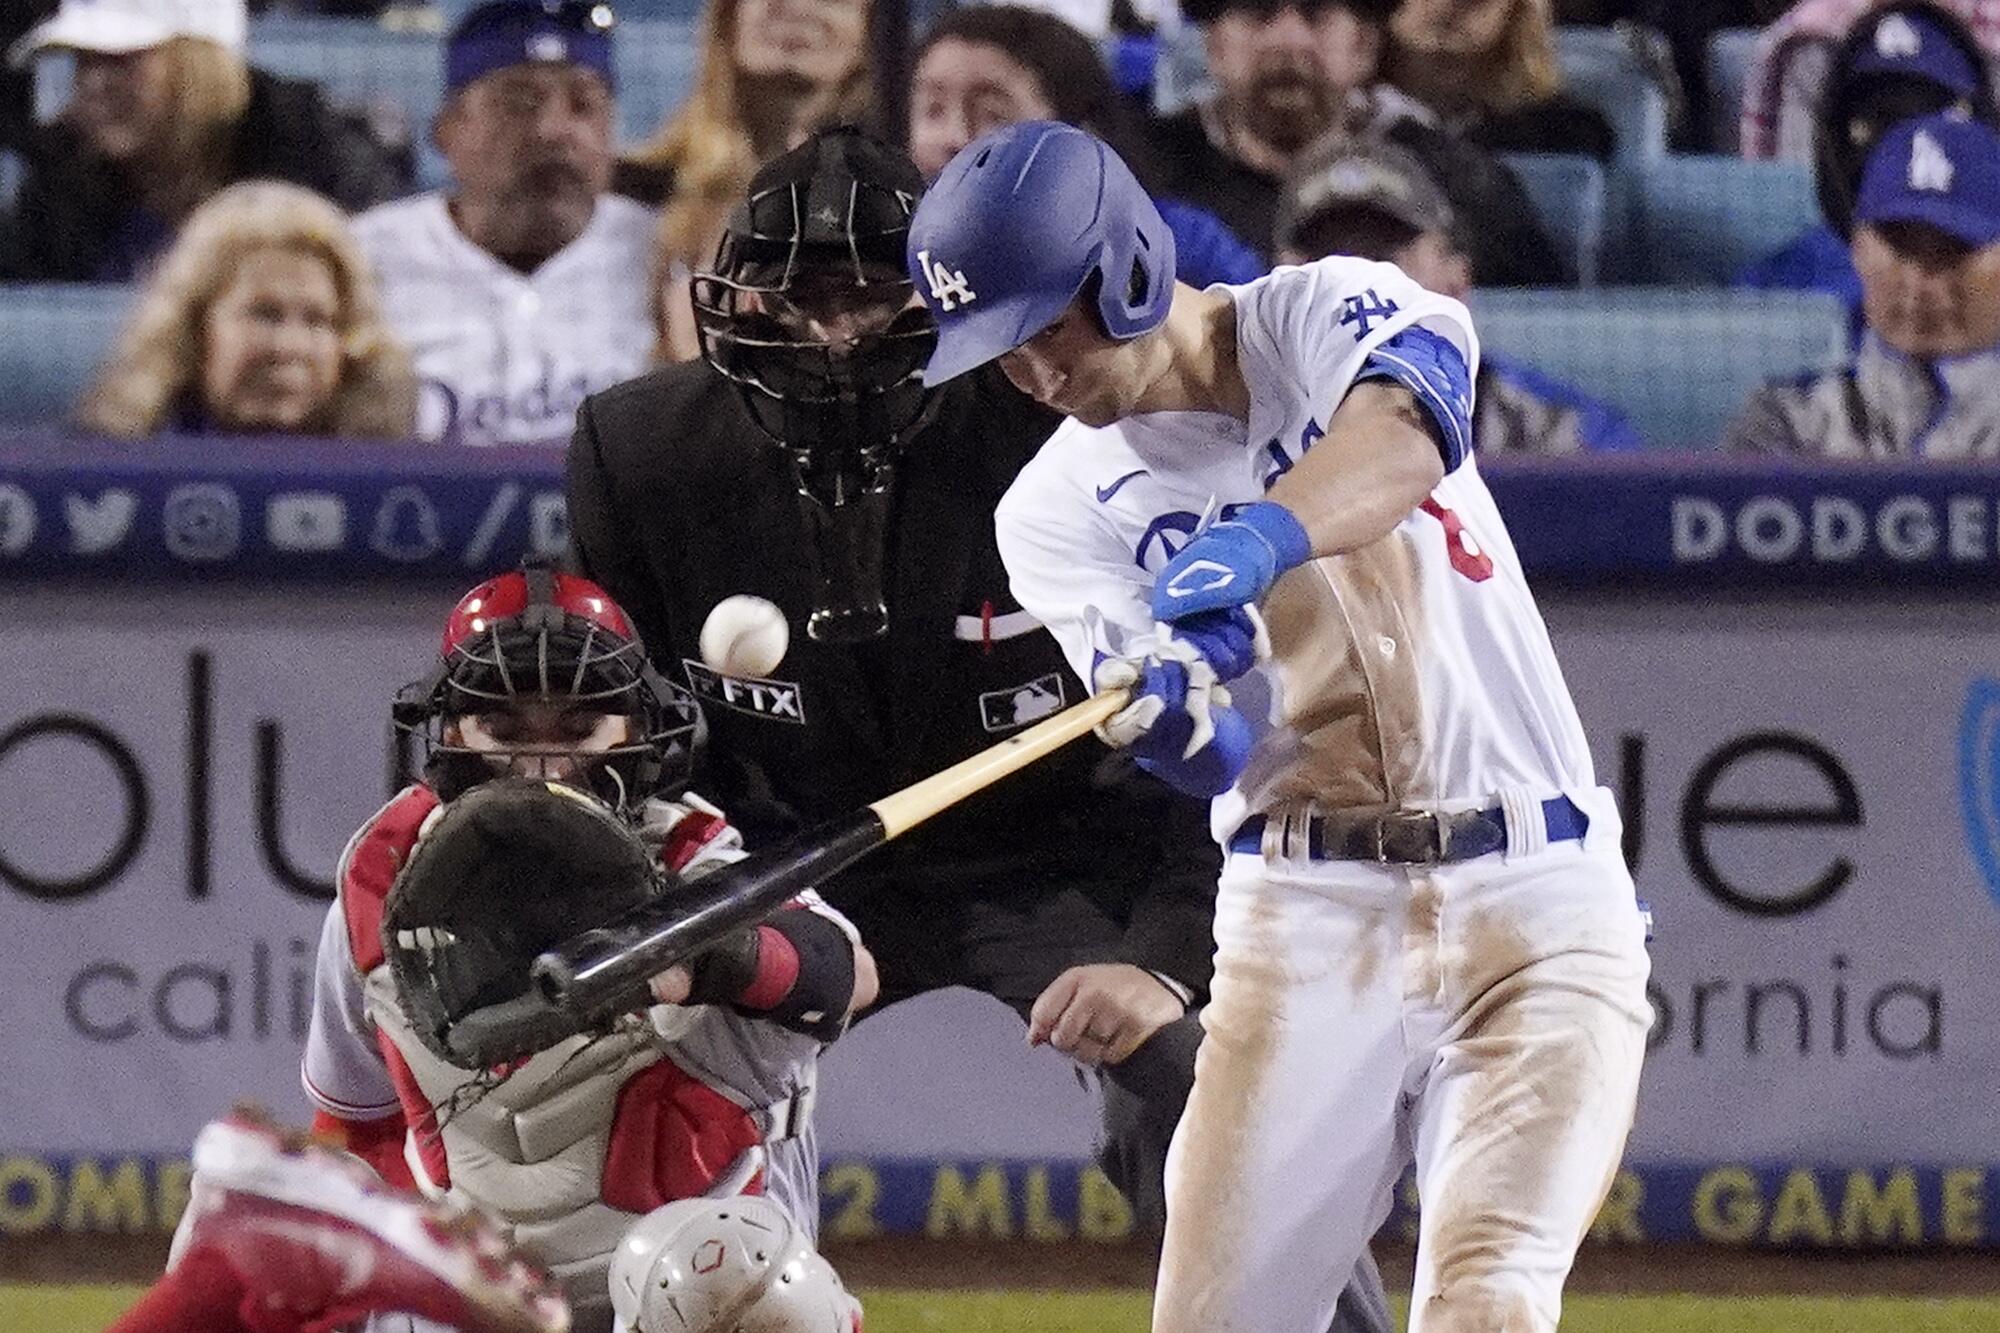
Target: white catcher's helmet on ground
x=735, y=1265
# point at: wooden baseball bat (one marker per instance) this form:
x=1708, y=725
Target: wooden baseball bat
x=603, y=972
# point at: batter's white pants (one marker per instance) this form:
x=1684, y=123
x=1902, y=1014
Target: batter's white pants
x=1486, y=1019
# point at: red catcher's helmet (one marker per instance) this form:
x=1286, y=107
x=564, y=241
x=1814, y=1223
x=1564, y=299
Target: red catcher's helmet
x=536, y=633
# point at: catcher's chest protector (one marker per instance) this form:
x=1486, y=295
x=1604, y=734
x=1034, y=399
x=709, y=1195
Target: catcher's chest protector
x=574, y=1146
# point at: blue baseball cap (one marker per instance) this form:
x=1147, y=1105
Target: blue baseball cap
x=501, y=33
x=1939, y=170
x=1913, y=44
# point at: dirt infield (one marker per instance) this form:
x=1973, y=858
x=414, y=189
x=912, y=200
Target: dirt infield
x=1601, y=1269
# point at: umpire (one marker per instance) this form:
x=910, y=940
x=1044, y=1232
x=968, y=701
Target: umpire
x=805, y=463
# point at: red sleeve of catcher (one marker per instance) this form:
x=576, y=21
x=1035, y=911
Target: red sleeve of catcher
x=369, y=868
x=376, y=1142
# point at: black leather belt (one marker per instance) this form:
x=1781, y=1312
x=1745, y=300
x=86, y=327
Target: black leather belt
x=1413, y=837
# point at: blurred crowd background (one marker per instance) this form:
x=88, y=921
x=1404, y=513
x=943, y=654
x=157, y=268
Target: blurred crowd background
x=1683, y=224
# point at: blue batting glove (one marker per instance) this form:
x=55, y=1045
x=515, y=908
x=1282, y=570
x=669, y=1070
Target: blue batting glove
x=1178, y=726
x=1211, y=770
x=1232, y=563
x=1231, y=639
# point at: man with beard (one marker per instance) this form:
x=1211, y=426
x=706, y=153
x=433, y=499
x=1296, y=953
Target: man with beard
x=1288, y=72
x=523, y=291
x=806, y=463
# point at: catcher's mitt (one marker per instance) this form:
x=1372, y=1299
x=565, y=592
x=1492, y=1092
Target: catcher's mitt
x=496, y=877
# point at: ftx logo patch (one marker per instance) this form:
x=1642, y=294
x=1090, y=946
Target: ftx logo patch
x=772, y=700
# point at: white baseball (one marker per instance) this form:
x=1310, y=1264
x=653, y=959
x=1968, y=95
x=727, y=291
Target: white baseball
x=745, y=636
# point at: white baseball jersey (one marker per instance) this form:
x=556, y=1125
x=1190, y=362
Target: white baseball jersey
x=1415, y=671
x=506, y=357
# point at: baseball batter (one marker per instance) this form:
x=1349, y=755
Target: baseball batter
x=1428, y=945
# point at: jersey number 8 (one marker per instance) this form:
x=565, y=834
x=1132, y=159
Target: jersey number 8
x=1460, y=548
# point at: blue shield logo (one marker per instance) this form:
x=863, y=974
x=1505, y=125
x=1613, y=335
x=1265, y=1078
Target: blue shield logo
x=1979, y=777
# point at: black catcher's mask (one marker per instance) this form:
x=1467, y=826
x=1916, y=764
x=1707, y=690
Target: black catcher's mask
x=540, y=636
x=809, y=311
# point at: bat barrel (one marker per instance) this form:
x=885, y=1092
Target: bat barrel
x=597, y=967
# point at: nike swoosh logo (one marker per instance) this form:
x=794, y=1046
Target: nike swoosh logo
x=1104, y=493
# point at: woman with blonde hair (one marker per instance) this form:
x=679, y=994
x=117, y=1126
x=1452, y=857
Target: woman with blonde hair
x=771, y=72
x=1489, y=70
x=261, y=319
x=164, y=112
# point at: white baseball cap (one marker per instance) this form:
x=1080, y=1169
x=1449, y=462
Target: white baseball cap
x=117, y=26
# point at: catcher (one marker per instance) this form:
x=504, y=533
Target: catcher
x=283, y=1234
x=551, y=802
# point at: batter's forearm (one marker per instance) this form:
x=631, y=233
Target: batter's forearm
x=1378, y=462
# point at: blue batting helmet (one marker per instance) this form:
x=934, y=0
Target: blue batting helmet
x=1016, y=225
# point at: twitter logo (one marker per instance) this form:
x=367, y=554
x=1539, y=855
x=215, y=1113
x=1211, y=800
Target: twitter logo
x=100, y=525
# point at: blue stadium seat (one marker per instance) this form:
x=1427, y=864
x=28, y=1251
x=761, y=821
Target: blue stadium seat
x=361, y=63
x=1678, y=363
x=1568, y=192
x=1600, y=68
x=1729, y=52
x=10, y=177
x=1702, y=218
x=656, y=71
x=52, y=339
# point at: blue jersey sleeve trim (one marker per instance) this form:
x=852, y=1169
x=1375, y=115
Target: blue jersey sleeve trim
x=1430, y=366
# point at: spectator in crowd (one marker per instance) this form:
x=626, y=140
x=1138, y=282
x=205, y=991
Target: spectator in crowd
x=1373, y=199
x=17, y=84
x=1488, y=68
x=166, y=112
x=262, y=318
x=1287, y=72
x=1900, y=61
x=771, y=72
x=985, y=66
x=1781, y=94
x=1926, y=381
x=524, y=290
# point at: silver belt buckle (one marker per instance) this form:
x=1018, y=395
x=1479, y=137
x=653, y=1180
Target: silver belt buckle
x=1400, y=830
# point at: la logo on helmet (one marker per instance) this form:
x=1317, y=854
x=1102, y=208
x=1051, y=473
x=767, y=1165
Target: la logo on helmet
x=948, y=286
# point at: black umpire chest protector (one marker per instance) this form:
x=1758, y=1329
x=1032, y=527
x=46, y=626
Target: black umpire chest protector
x=677, y=501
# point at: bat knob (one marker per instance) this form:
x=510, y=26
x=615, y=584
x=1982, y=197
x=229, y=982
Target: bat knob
x=553, y=976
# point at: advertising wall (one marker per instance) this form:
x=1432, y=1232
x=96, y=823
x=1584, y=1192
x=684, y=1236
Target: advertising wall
x=1812, y=795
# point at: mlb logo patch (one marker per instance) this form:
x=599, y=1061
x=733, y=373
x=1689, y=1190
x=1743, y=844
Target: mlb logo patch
x=1018, y=705
x=772, y=700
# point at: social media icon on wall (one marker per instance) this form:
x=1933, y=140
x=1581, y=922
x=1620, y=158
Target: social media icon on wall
x=17, y=519
x=548, y=524
x=102, y=524
x=202, y=521
x=407, y=529
x=305, y=521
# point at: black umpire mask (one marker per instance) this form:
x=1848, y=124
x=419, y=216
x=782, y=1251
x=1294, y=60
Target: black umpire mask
x=810, y=312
